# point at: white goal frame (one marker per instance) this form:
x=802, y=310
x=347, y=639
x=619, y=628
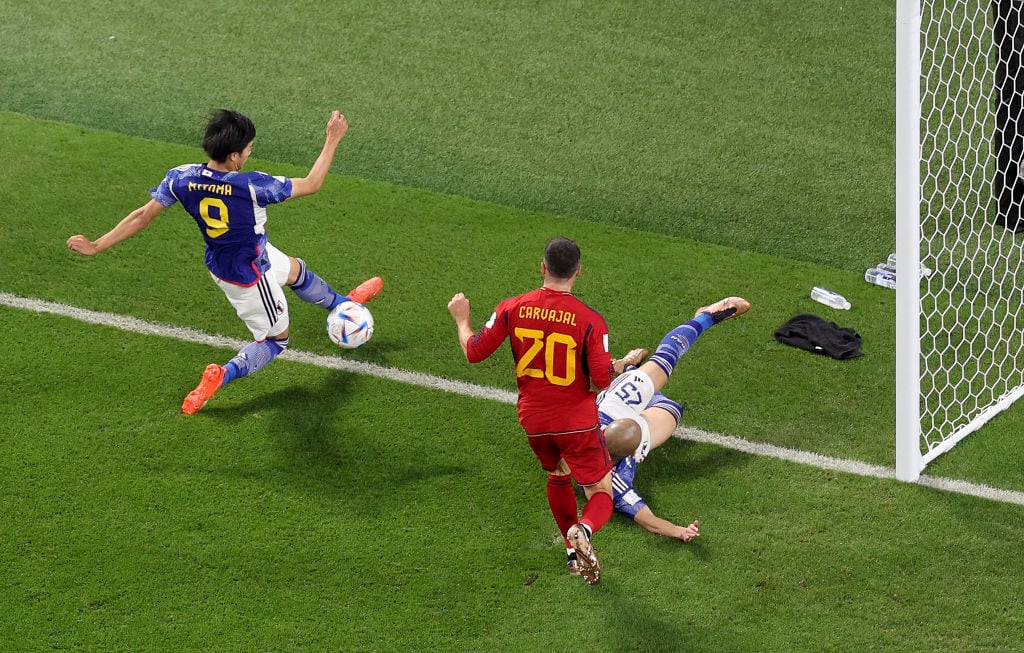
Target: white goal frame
x=909, y=460
x=919, y=180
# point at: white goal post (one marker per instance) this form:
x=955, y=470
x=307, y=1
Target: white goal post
x=959, y=196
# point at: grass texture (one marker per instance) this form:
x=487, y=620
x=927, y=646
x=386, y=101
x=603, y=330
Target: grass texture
x=307, y=509
x=694, y=151
x=764, y=125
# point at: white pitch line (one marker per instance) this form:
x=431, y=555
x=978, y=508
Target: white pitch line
x=135, y=325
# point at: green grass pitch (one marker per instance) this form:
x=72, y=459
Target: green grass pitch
x=694, y=151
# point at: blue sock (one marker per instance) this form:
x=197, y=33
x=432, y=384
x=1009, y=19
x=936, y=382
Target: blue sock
x=678, y=341
x=253, y=358
x=314, y=290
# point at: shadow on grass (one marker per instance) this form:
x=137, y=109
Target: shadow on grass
x=680, y=460
x=642, y=626
x=343, y=442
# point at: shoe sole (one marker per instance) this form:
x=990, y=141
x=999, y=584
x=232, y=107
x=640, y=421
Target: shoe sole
x=725, y=309
x=589, y=566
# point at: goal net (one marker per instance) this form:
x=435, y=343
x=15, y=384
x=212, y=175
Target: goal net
x=960, y=204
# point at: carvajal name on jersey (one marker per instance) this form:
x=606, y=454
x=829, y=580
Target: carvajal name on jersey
x=548, y=314
x=217, y=189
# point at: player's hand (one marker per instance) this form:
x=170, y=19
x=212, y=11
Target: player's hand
x=82, y=245
x=459, y=308
x=689, y=532
x=634, y=358
x=337, y=127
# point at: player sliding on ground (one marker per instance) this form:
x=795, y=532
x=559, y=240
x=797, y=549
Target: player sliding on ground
x=637, y=418
x=230, y=208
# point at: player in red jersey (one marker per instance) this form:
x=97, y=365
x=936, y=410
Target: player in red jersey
x=560, y=349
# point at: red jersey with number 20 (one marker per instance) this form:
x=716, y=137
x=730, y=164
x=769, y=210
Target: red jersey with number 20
x=559, y=346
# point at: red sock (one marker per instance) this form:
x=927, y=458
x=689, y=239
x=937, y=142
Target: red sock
x=562, y=500
x=597, y=511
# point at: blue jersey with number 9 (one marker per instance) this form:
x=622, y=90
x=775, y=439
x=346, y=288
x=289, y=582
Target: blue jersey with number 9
x=230, y=209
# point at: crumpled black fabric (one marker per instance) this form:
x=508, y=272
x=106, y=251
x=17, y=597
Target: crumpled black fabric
x=814, y=334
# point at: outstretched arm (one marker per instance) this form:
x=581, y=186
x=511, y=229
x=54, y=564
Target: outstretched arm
x=130, y=225
x=459, y=309
x=651, y=522
x=337, y=127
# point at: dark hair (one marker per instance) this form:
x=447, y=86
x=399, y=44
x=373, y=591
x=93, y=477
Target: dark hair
x=562, y=258
x=227, y=132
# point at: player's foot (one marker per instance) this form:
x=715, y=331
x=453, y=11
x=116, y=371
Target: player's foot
x=724, y=309
x=367, y=290
x=590, y=568
x=572, y=564
x=208, y=386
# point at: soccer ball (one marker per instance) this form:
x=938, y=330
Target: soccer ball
x=349, y=325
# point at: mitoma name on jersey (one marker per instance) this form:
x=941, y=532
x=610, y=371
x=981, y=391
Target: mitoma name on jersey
x=548, y=314
x=218, y=189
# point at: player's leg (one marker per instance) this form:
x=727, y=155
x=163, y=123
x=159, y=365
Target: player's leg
x=679, y=340
x=265, y=312
x=591, y=465
x=595, y=514
x=636, y=434
x=564, y=508
x=662, y=418
x=310, y=288
x=264, y=309
x=560, y=493
x=672, y=347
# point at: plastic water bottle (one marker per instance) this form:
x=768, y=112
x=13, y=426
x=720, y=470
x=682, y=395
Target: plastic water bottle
x=829, y=298
x=880, y=277
x=890, y=266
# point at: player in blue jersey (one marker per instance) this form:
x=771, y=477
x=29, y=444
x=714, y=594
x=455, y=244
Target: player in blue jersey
x=230, y=209
x=637, y=418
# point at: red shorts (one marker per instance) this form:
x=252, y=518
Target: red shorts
x=585, y=452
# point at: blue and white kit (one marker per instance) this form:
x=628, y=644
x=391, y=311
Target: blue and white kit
x=628, y=395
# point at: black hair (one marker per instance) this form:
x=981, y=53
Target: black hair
x=562, y=258
x=227, y=132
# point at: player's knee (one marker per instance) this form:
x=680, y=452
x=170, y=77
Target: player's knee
x=296, y=271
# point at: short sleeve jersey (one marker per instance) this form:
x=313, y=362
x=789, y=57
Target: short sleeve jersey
x=231, y=211
x=559, y=346
x=624, y=495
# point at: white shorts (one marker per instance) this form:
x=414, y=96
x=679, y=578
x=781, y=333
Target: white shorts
x=262, y=306
x=627, y=396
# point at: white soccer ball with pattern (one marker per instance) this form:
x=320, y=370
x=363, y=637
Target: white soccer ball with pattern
x=349, y=325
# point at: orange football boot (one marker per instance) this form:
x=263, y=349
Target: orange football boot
x=213, y=377
x=367, y=290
